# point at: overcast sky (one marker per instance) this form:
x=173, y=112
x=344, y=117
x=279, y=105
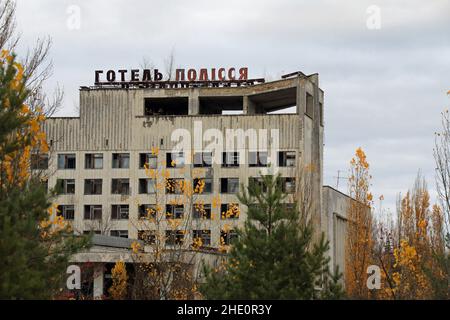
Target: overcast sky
x=384, y=88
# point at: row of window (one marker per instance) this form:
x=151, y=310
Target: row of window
x=172, y=211
x=173, y=160
x=173, y=185
x=177, y=237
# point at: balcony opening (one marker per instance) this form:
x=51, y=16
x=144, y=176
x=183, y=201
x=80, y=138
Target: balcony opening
x=221, y=105
x=166, y=106
x=275, y=102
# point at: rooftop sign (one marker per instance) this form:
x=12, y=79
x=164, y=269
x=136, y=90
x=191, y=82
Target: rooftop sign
x=148, y=78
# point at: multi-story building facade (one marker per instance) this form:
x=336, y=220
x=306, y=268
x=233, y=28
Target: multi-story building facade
x=100, y=158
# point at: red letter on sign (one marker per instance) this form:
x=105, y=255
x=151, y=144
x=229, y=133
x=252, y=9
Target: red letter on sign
x=243, y=73
x=179, y=75
x=203, y=75
x=221, y=74
x=192, y=75
x=231, y=73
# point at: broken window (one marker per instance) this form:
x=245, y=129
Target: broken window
x=166, y=106
x=66, y=211
x=204, y=236
x=119, y=233
x=119, y=211
x=257, y=159
x=93, y=186
x=87, y=232
x=121, y=160
x=120, y=186
x=203, y=159
x=175, y=159
x=93, y=161
x=288, y=185
x=174, y=186
x=174, y=211
x=286, y=159
x=227, y=237
x=174, y=237
x=148, y=160
x=39, y=161
x=147, y=211
x=66, y=161
x=229, y=185
x=203, y=185
x=93, y=212
x=147, y=186
x=230, y=159
x=201, y=211
x=65, y=186
x=257, y=182
x=148, y=236
x=229, y=211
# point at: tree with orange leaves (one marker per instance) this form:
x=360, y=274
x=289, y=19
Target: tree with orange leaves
x=412, y=248
x=35, y=242
x=358, y=250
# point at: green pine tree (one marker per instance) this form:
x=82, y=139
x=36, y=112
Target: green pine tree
x=33, y=256
x=275, y=256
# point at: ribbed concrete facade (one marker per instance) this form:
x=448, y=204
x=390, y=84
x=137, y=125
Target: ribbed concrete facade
x=113, y=120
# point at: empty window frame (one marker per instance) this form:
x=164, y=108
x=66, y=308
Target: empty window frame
x=174, y=211
x=203, y=185
x=147, y=186
x=86, y=232
x=148, y=160
x=66, y=211
x=121, y=160
x=93, y=161
x=227, y=237
x=174, y=185
x=203, y=235
x=201, y=211
x=39, y=161
x=147, y=211
x=65, y=186
x=230, y=159
x=148, y=236
x=203, y=159
x=166, y=106
x=229, y=185
x=120, y=186
x=93, y=186
x=119, y=211
x=67, y=161
x=286, y=159
x=257, y=159
x=229, y=211
x=174, y=237
x=257, y=182
x=93, y=212
x=309, y=106
x=175, y=159
x=44, y=183
x=119, y=233
x=288, y=185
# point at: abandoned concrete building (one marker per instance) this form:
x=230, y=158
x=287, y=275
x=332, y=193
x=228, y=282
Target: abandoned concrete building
x=101, y=159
